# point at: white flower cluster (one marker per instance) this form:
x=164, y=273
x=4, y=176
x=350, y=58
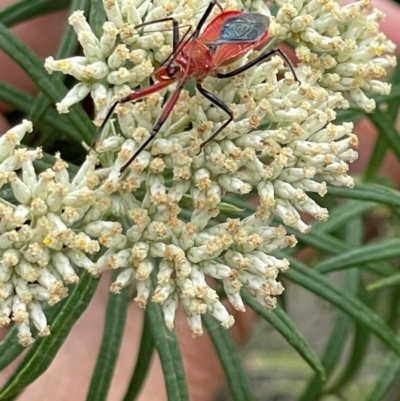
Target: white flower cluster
x=42, y=233
x=283, y=144
x=342, y=43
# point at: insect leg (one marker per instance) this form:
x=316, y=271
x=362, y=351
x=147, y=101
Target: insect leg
x=139, y=94
x=257, y=60
x=176, y=42
x=219, y=103
x=204, y=17
x=182, y=44
x=161, y=120
x=175, y=29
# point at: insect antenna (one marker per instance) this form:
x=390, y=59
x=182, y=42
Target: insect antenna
x=176, y=41
x=103, y=124
x=181, y=45
x=195, y=33
x=176, y=44
x=163, y=30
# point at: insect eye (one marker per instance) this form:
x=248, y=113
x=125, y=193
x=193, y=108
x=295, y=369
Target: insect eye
x=172, y=70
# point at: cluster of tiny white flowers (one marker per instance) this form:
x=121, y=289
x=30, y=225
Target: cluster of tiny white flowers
x=283, y=144
x=343, y=43
x=43, y=233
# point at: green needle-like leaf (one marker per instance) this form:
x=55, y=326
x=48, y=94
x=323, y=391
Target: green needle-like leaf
x=389, y=374
x=55, y=90
x=114, y=326
x=340, y=216
x=10, y=349
x=26, y=9
x=97, y=16
x=42, y=353
x=377, y=157
x=142, y=363
x=356, y=358
x=386, y=128
x=360, y=339
x=368, y=192
x=281, y=321
x=67, y=48
x=393, y=279
x=382, y=144
x=362, y=255
x=170, y=356
x=324, y=288
x=332, y=353
x=24, y=102
x=229, y=358
x=320, y=241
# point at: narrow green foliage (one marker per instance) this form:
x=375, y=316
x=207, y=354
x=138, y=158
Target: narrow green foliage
x=324, y=288
x=143, y=361
x=229, y=358
x=54, y=89
x=67, y=48
x=44, y=350
x=110, y=345
x=281, y=321
x=168, y=350
x=97, y=16
x=26, y=9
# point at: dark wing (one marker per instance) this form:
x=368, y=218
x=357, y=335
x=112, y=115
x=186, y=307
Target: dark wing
x=247, y=27
x=231, y=34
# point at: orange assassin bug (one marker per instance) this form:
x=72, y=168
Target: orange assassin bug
x=225, y=39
